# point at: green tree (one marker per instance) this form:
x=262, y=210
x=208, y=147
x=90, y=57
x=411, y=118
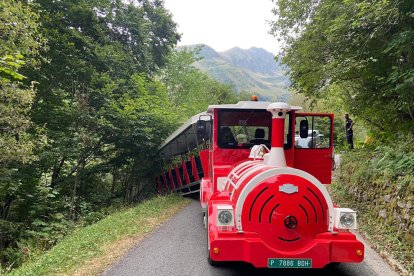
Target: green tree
x=96, y=103
x=94, y=49
x=357, y=53
x=21, y=43
x=189, y=89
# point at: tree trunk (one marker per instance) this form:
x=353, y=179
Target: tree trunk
x=5, y=210
x=56, y=172
x=114, y=179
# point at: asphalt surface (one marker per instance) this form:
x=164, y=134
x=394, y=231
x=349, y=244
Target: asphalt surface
x=179, y=247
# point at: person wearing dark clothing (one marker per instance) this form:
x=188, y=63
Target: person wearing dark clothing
x=349, y=132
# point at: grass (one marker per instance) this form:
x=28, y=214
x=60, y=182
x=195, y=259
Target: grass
x=89, y=250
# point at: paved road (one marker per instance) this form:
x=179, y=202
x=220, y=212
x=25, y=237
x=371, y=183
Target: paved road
x=179, y=248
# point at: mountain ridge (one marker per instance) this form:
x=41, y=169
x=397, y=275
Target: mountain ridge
x=252, y=71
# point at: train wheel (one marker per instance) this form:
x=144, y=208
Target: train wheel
x=210, y=261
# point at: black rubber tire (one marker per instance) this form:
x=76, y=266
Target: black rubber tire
x=211, y=262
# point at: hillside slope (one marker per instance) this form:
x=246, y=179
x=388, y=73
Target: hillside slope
x=254, y=71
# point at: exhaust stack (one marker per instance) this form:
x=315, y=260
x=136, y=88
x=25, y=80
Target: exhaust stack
x=276, y=155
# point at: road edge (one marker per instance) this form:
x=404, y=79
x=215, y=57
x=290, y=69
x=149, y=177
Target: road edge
x=117, y=250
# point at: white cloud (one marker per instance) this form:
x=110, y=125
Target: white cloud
x=223, y=24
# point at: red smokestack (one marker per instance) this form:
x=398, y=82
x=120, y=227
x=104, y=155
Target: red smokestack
x=277, y=155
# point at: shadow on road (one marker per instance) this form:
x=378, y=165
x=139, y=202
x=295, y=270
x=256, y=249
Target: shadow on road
x=195, y=196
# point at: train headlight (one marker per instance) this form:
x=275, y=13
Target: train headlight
x=225, y=215
x=345, y=218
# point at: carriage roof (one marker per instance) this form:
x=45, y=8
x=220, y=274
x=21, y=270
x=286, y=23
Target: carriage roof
x=245, y=105
x=240, y=105
x=184, y=138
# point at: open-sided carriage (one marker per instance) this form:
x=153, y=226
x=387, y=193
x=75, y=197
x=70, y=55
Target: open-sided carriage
x=261, y=170
x=183, y=153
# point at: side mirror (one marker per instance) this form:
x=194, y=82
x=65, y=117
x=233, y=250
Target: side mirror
x=304, y=127
x=201, y=129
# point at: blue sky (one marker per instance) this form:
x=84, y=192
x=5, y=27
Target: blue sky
x=223, y=24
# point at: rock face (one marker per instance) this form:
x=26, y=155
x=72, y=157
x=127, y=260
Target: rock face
x=254, y=71
x=390, y=197
x=384, y=204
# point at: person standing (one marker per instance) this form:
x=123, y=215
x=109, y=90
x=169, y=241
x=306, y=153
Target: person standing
x=349, y=132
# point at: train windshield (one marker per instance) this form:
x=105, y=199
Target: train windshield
x=242, y=129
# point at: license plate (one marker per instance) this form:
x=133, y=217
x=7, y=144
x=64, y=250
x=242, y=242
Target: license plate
x=289, y=263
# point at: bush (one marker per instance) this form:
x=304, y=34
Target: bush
x=379, y=182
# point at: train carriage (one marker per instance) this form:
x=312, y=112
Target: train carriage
x=262, y=171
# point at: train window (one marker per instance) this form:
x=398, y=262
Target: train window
x=319, y=132
x=288, y=132
x=242, y=129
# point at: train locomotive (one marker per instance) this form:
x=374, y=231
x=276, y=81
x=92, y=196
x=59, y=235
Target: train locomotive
x=264, y=197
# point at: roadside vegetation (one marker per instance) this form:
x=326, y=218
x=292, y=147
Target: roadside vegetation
x=378, y=181
x=89, y=89
x=89, y=250
x=357, y=57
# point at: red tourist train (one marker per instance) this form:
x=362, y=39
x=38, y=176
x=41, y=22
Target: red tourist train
x=262, y=171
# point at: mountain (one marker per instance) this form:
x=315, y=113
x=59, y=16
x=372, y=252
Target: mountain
x=254, y=71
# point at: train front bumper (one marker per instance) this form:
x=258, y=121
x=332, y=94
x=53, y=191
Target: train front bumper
x=324, y=249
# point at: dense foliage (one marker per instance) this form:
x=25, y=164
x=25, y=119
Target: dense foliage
x=379, y=182
x=20, y=44
x=190, y=88
x=358, y=53
x=84, y=105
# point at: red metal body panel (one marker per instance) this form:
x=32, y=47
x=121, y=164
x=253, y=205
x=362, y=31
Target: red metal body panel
x=254, y=247
x=185, y=172
x=177, y=176
x=205, y=162
x=229, y=156
x=289, y=155
x=167, y=188
x=266, y=208
x=169, y=180
x=277, y=125
x=194, y=168
x=172, y=180
x=247, y=179
x=206, y=190
x=249, y=247
x=316, y=161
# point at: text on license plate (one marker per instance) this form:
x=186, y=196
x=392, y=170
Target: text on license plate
x=289, y=263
